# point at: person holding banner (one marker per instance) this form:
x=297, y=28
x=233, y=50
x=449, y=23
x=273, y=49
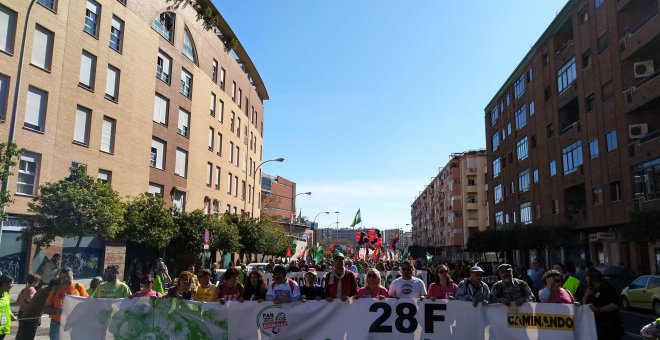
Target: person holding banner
x=255, y=288
x=147, y=282
x=373, y=288
x=443, y=287
x=509, y=289
x=340, y=283
x=407, y=286
x=183, y=288
x=473, y=288
x=310, y=290
x=112, y=288
x=206, y=291
x=230, y=289
x=55, y=300
x=603, y=302
x=282, y=290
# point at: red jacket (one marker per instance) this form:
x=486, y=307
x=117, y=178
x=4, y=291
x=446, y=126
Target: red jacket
x=349, y=285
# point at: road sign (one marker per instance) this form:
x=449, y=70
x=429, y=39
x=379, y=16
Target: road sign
x=207, y=236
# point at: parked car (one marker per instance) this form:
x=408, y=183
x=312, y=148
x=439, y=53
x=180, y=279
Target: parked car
x=643, y=293
x=618, y=276
x=257, y=265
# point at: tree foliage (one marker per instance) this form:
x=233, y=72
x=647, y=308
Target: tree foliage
x=224, y=236
x=76, y=206
x=148, y=222
x=521, y=237
x=8, y=154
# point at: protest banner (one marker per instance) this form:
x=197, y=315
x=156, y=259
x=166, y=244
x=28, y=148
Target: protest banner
x=143, y=318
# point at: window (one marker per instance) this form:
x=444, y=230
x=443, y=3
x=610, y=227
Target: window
x=238, y=155
x=158, y=148
x=536, y=175
x=179, y=200
x=526, y=213
x=164, y=25
x=212, y=104
x=521, y=118
x=235, y=186
x=229, y=184
x=233, y=91
x=586, y=58
x=553, y=168
x=602, y=43
x=523, y=180
x=112, y=83
x=105, y=176
x=607, y=91
x=496, y=168
x=223, y=73
x=108, y=135
x=211, y=135
x=42, y=48
x=243, y=190
x=161, y=108
x=7, y=29
x=615, y=191
x=82, y=125
x=593, y=149
x=238, y=127
x=572, y=157
x=87, y=70
x=35, y=109
x=519, y=87
x=590, y=102
x=244, y=166
x=216, y=207
x=189, y=46
x=116, y=33
x=214, y=71
x=497, y=192
x=550, y=130
x=209, y=173
x=597, y=195
x=532, y=109
x=499, y=220
x=163, y=67
x=611, y=141
x=555, y=207
x=186, y=84
x=521, y=148
x=217, y=178
x=583, y=15
x=155, y=190
x=232, y=118
x=646, y=180
x=28, y=169
x=184, y=122
x=50, y=4
x=240, y=97
x=92, y=15
x=508, y=100
x=496, y=141
x=513, y=187
x=566, y=75
x=221, y=111
x=4, y=95
x=219, y=144
x=181, y=162
x=231, y=152
x=597, y=3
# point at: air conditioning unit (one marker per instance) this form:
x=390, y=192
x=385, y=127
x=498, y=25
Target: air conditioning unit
x=638, y=130
x=643, y=68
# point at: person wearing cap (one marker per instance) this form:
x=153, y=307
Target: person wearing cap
x=340, y=283
x=282, y=290
x=509, y=289
x=310, y=290
x=407, y=286
x=206, y=291
x=473, y=288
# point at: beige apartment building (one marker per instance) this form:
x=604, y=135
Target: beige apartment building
x=140, y=94
x=453, y=206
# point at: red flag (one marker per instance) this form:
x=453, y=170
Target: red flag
x=302, y=255
x=350, y=249
x=288, y=252
x=331, y=248
x=374, y=256
x=410, y=258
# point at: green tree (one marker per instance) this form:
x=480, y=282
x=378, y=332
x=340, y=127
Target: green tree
x=251, y=232
x=278, y=240
x=8, y=153
x=224, y=236
x=76, y=206
x=148, y=222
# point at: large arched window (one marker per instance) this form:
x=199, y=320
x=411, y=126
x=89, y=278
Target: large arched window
x=164, y=25
x=189, y=46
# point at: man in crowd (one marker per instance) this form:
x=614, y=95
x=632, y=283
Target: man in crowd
x=161, y=276
x=536, y=272
x=603, y=301
x=340, y=283
x=473, y=288
x=350, y=266
x=509, y=289
x=206, y=291
x=51, y=269
x=112, y=288
x=55, y=300
x=282, y=290
x=407, y=286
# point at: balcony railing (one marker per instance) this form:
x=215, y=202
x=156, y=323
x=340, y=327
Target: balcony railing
x=631, y=31
x=570, y=126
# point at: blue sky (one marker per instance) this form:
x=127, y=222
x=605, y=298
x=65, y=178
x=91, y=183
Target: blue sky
x=369, y=98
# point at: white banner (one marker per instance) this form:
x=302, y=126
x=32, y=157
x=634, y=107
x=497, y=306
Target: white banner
x=360, y=319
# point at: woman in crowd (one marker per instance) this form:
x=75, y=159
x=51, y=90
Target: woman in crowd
x=443, y=287
x=373, y=287
x=6, y=316
x=255, y=289
x=93, y=284
x=147, y=283
x=310, y=290
x=230, y=288
x=183, y=288
x=553, y=292
x=27, y=327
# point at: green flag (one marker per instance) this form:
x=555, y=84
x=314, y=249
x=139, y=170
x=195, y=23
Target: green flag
x=357, y=220
x=429, y=257
x=405, y=253
x=319, y=254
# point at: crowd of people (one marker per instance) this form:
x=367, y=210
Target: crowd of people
x=329, y=280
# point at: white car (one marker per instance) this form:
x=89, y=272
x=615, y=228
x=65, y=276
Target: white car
x=257, y=265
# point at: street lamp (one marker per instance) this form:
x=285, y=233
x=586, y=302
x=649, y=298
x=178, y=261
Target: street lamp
x=254, y=179
x=314, y=223
x=293, y=205
x=337, y=235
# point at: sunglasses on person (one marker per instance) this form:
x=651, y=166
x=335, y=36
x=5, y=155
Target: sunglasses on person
x=442, y=272
x=147, y=282
x=559, y=279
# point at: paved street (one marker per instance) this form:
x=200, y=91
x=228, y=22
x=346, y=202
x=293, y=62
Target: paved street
x=634, y=320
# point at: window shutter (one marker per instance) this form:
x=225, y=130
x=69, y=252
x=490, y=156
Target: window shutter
x=7, y=24
x=160, y=149
x=116, y=24
x=34, y=111
x=41, y=47
x=160, y=109
x=87, y=64
x=80, y=132
x=106, y=135
x=180, y=163
x=111, y=83
x=183, y=122
x=4, y=93
x=92, y=7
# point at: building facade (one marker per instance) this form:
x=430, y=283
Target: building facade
x=573, y=132
x=453, y=205
x=140, y=94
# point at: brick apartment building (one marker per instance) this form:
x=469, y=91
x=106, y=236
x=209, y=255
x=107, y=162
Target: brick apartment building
x=572, y=133
x=453, y=205
x=140, y=94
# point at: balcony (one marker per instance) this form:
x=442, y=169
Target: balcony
x=643, y=92
x=471, y=189
x=473, y=206
x=640, y=35
x=472, y=223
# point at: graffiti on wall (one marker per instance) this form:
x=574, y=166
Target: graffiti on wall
x=86, y=262
x=11, y=264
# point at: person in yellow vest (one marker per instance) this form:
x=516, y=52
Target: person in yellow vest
x=206, y=291
x=6, y=316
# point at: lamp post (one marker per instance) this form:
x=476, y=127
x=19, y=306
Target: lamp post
x=337, y=235
x=254, y=179
x=293, y=205
x=314, y=223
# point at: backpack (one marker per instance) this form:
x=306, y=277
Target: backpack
x=272, y=286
